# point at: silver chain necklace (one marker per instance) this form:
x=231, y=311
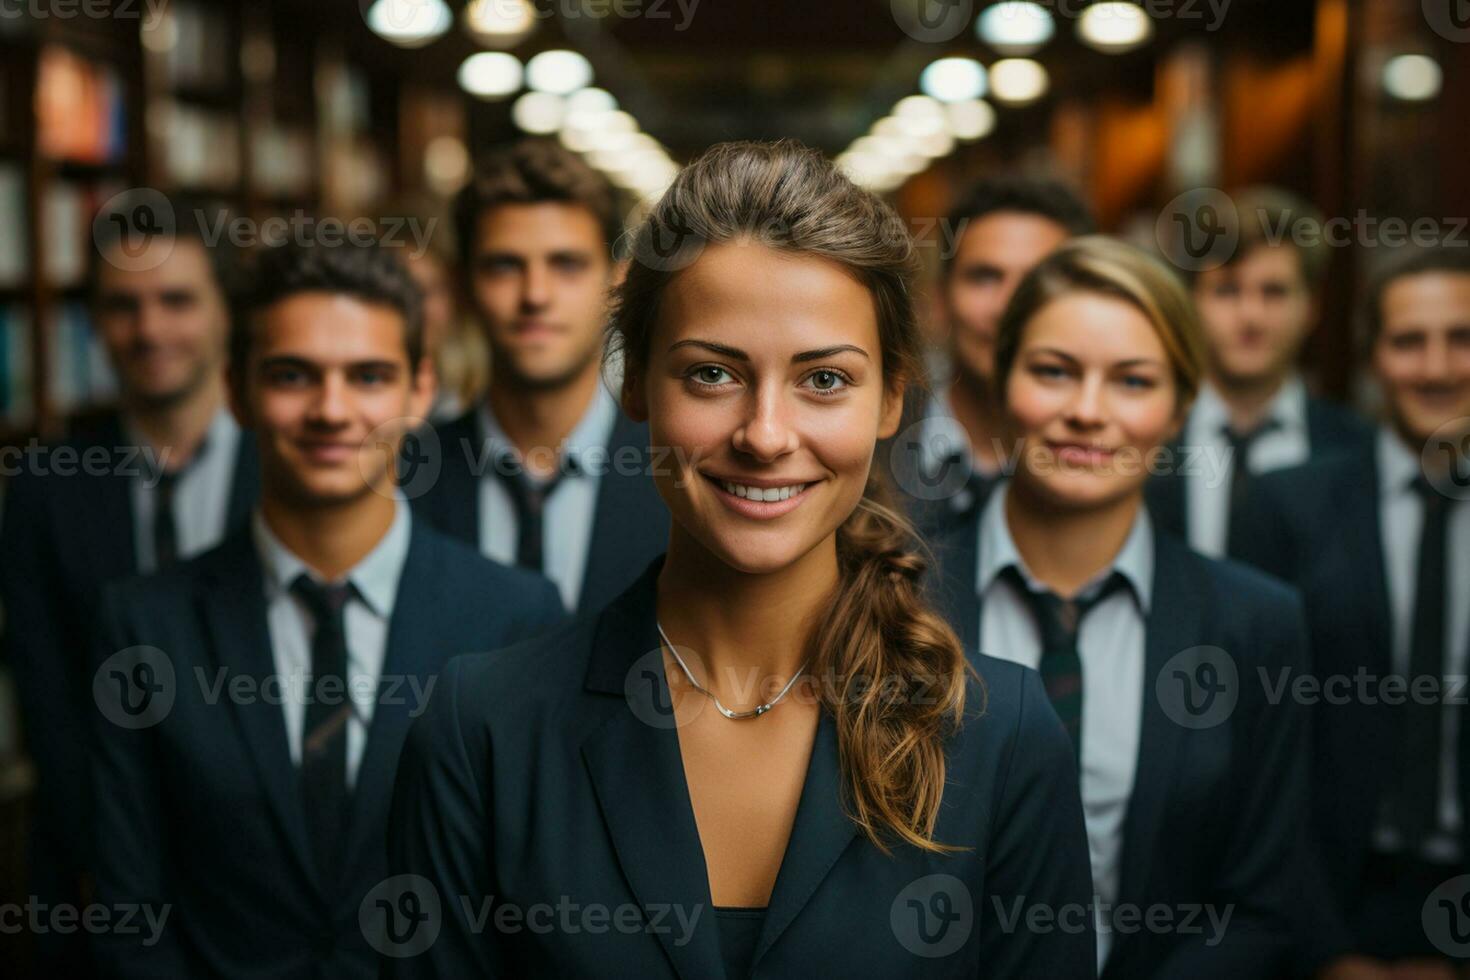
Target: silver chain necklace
x=755, y=712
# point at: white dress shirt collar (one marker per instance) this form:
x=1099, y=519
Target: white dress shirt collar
x=375, y=577
x=1288, y=409
x=1134, y=561
x=589, y=438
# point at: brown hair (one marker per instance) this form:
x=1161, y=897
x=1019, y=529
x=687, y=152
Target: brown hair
x=1270, y=217
x=1447, y=259
x=1097, y=264
x=878, y=626
x=533, y=171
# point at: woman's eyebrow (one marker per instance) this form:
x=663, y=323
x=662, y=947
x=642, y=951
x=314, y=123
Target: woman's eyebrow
x=737, y=354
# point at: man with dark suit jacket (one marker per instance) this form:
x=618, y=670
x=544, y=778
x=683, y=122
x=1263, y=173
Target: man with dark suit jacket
x=161, y=478
x=251, y=703
x=1379, y=542
x=547, y=473
x=948, y=452
x=1254, y=415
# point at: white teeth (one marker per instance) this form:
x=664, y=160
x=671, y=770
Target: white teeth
x=762, y=493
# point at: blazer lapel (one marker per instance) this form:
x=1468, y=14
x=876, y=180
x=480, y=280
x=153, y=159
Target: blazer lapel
x=628, y=509
x=415, y=649
x=105, y=509
x=952, y=582
x=1363, y=529
x=236, y=618
x=1174, y=624
x=821, y=832
x=638, y=775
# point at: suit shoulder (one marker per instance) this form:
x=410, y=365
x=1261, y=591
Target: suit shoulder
x=465, y=561
x=526, y=676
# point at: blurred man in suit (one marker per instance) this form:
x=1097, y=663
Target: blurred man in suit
x=246, y=792
x=160, y=478
x=1379, y=542
x=546, y=473
x=1254, y=415
x=948, y=453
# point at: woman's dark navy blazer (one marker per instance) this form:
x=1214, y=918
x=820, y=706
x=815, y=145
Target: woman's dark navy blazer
x=542, y=803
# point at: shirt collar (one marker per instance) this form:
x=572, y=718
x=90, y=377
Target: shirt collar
x=1134, y=561
x=1398, y=466
x=1288, y=408
x=941, y=437
x=221, y=438
x=375, y=577
x=590, y=436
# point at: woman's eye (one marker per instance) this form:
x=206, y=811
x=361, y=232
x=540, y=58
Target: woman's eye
x=710, y=374
x=1048, y=371
x=825, y=381
x=1138, y=382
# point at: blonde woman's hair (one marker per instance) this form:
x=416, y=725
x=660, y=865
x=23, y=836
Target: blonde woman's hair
x=1108, y=267
x=897, y=671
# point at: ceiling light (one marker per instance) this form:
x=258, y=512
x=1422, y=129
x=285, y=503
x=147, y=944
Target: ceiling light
x=409, y=23
x=538, y=112
x=953, y=79
x=1114, y=27
x=1016, y=27
x=1017, y=81
x=970, y=120
x=499, y=23
x=490, y=74
x=558, y=72
x=1412, y=77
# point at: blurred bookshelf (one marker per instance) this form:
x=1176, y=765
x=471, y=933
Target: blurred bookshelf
x=230, y=103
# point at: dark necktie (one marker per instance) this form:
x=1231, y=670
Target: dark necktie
x=165, y=526
x=1059, y=622
x=529, y=497
x=165, y=520
x=324, y=735
x=1240, y=477
x=1416, y=809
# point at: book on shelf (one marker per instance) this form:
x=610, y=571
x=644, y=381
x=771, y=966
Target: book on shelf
x=80, y=372
x=81, y=112
x=17, y=393
x=15, y=257
x=67, y=210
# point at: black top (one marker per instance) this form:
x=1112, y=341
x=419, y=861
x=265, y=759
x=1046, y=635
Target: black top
x=739, y=929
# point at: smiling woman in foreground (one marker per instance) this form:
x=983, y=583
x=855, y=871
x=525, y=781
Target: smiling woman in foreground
x=768, y=756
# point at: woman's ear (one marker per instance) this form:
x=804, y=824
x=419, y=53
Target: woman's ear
x=893, y=395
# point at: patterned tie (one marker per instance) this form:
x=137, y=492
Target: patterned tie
x=1240, y=477
x=324, y=736
x=1059, y=621
x=1416, y=803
